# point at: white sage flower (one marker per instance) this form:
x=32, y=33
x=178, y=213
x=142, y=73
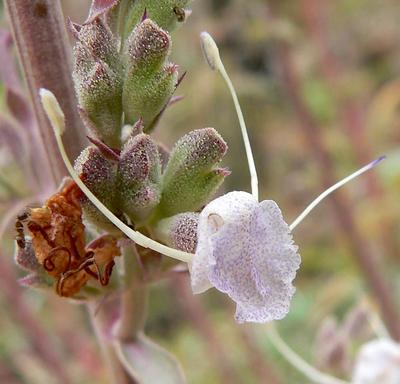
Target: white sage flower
x=245, y=247
x=245, y=250
x=378, y=362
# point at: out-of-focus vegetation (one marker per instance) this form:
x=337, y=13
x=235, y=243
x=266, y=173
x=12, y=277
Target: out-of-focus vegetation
x=346, y=55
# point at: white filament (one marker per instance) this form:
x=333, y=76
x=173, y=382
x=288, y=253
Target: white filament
x=211, y=52
x=301, y=365
x=334, y=187
x=57, y=120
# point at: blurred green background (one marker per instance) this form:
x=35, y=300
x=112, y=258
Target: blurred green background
x=345, y=57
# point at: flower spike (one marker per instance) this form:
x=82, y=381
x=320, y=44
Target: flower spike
x=334, y=187
x=211, y=53
x=57, y=120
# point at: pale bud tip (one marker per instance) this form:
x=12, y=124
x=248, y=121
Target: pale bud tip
x=53, y=110
x=210, y=50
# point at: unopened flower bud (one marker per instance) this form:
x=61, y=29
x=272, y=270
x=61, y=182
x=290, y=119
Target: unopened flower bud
x=99, y=96
x=166, y=13
x=148, y=43
x=190, y=179
x=357, y=323
x=97, y=79
x=139, y=176
x=150, y=80
x=99, y=174
x=179, y=231
x=97, y=39
x=332, y=348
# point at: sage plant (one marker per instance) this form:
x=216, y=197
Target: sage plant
x=130, y=197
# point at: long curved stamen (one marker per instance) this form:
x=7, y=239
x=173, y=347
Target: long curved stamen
x=339, y=184
x=213, y=58
x=301, y=365
x=57, y=120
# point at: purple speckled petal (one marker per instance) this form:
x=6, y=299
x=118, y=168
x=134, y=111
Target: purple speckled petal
x=245, y=250
x=274, y=264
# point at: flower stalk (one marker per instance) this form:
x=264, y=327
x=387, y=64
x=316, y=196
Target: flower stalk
x=101, y=325
x=134, y=298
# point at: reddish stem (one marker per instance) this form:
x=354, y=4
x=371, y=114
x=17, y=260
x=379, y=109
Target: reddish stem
x=352, y=113
x=367, y=261
x=103, y=320
x=41, y=39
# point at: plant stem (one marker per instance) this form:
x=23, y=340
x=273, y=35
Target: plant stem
x=352, y=111
x=314, y=13
x=367, y=262
x=134, y=298
x=102, y=324
x=41, y=38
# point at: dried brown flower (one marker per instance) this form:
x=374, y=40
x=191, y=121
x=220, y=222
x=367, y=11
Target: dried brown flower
x=58, y=239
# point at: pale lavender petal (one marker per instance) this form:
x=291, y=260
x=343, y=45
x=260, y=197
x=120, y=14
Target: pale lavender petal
x=211, y=243
x=274, y=264
x=245, y=250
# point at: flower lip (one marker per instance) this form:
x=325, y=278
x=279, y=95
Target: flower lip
x=245, y=249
